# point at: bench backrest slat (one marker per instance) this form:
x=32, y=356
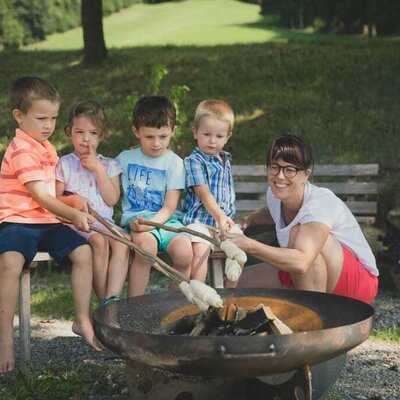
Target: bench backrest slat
x=319, y=170
x=355, y=184
x=336, y=187
x=356, y=207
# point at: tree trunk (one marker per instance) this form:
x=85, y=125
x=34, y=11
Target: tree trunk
x=93, y=36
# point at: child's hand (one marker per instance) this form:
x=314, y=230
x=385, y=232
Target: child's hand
x=90, y=160
x=137, y=227
x=82, y=220
x=225, y=223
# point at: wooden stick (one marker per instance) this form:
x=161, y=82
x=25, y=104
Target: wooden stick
x=156, y=262
x=214, y=241
x=277, y=326
x=115, y=234
x=112, y=228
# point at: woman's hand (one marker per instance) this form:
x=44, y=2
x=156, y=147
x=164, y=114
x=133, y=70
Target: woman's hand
x=241, y=241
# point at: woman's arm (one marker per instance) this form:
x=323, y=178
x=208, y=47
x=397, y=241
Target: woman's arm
x=309, y=242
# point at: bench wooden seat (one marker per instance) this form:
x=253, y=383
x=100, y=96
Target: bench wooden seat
x=355, y=184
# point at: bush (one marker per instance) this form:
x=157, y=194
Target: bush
x=11, y=33
x=24, y=21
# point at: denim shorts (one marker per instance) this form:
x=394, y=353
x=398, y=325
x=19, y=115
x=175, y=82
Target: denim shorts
x=56, y=239
x=164, y=237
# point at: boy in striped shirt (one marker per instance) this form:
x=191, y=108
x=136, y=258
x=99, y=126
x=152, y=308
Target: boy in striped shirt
x=27, y=212
x=210, y=195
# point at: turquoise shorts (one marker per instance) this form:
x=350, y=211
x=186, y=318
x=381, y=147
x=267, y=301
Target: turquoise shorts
x=164, y=237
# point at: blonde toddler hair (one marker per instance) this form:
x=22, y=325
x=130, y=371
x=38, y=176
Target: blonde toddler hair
x=216, y=109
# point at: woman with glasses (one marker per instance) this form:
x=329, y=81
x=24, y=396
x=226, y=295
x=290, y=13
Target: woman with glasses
x=322, y=247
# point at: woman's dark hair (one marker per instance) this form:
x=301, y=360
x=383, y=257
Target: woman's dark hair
x=292, y=148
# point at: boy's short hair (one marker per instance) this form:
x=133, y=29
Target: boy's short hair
x=27, y=89
x=214, y=108
x=88, y=109
x=154, y=112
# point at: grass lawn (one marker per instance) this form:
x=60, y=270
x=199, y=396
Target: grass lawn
x=344, y=97
x=190, y=22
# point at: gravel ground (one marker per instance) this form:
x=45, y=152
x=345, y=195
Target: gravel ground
x=372, y=370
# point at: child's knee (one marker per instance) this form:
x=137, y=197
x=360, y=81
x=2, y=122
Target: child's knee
x=146, y=241
x=81, y=254
x=180, y=250
x=11, y=262
x=98, y=242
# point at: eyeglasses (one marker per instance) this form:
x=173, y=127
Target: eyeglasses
x=288, y=171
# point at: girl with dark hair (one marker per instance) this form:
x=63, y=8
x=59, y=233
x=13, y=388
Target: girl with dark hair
x=322, y=247
x=96, y=180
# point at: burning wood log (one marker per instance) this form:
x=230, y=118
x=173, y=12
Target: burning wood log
x=230, y=320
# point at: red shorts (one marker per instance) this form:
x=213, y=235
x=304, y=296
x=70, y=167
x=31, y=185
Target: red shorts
x=355, y=281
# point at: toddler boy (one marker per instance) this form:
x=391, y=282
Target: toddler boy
x=210, y=196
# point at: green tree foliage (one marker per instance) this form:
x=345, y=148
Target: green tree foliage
x=26, y=21
x=176, y=93
x=11, y=31
x=341, y=16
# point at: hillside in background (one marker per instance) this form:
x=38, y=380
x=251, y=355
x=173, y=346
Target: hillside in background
x=342, y=92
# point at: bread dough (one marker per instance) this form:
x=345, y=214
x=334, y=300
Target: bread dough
x=206, y=293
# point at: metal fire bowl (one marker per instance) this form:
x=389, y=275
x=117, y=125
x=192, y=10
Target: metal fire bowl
x=132, y=328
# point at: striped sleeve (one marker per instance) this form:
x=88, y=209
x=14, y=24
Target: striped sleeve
x=27, y=166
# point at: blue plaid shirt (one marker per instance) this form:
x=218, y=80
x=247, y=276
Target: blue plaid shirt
x=204, y=169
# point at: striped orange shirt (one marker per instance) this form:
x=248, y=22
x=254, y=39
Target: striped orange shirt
x=26, y=160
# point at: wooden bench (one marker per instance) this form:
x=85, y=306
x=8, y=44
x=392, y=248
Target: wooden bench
x=356, y=184
x=25, y=311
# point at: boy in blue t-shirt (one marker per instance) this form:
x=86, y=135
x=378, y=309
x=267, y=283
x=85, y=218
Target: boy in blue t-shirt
x=152, y=180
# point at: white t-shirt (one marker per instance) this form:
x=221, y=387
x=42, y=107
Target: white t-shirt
x=145, y=181
x=80, y=180
x=322, y=205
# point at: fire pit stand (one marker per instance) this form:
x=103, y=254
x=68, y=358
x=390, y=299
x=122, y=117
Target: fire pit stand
x=146, y=383
x=169, y=367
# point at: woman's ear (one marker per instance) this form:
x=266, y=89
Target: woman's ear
x=308, y=174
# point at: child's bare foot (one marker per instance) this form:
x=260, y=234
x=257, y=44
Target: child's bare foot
x=7, y=358
x=85, y=329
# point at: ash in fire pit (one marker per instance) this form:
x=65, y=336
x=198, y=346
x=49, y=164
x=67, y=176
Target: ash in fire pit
x=230, y=320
